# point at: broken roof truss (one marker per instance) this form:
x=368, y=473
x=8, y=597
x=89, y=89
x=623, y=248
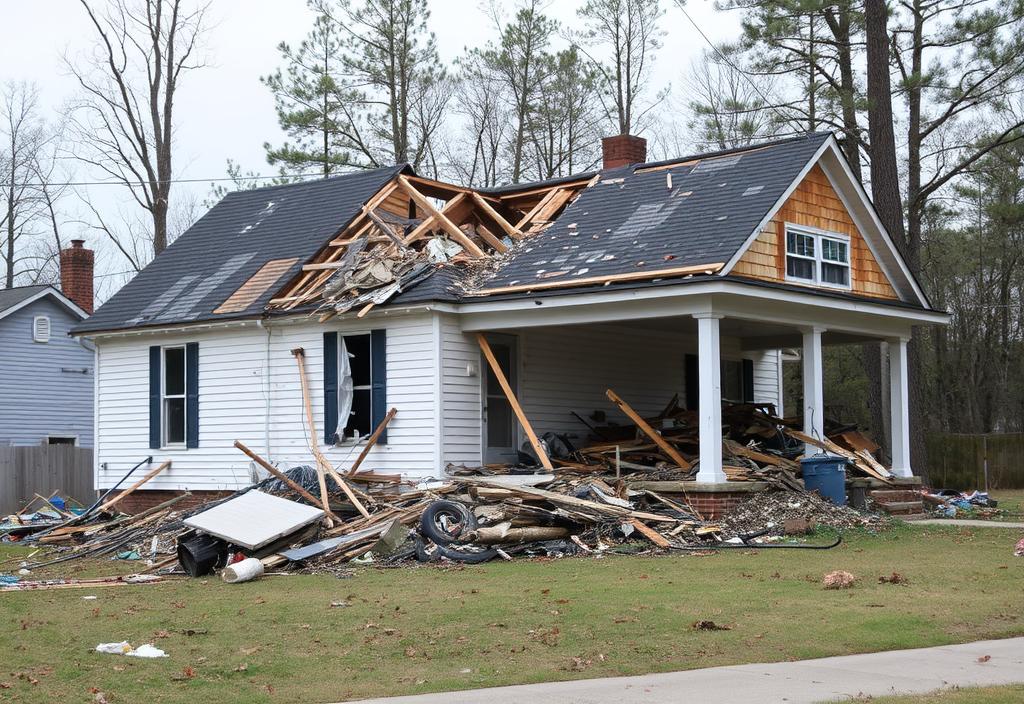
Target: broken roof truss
x=408, y=229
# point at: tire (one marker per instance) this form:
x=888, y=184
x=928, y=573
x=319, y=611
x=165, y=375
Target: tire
x=444, y=521
x=470, y=557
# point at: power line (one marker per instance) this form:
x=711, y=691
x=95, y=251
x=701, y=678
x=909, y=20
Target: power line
x=768, y=103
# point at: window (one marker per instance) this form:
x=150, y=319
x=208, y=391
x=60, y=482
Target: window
x=61, y=440
x=355, y=368
x=732, y=380
x=817, y=257
x=173, y=397
x=41, y=328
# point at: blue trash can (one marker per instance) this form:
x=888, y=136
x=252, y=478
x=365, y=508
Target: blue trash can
x=826, y=474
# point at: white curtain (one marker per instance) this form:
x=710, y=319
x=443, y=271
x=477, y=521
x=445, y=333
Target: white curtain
x=344, y=388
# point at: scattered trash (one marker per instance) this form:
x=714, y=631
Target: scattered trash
x=839, y=579
x=709, y=626
x=244, y=571
x=125, y=648
x=947, y=503
x=1018, y=551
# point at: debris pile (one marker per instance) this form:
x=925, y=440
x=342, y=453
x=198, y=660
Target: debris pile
x=774, y=509
x=947, y=503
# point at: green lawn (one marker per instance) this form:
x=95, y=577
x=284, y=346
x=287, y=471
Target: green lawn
x=1011, y=501
x=428, y=629
x=1011, y=694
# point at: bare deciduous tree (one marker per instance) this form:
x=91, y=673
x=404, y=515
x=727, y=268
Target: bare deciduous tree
x=627, y=32
x=123, y=122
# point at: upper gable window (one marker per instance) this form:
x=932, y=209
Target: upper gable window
x=818, y=257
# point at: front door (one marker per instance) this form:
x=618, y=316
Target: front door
x=500, y=429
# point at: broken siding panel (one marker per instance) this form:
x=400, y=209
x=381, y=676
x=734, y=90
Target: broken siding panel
x=233, y=398
x=814, y=203
x=460, y=391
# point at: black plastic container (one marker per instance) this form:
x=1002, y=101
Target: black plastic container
x=202, y=554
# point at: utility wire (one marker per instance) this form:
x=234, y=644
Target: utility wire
x=757, y=89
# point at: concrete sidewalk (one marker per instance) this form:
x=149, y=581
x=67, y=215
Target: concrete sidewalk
x=803, y=682
x=971, y=522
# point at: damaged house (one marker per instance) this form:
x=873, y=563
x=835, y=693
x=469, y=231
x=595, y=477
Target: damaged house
x=393, y=300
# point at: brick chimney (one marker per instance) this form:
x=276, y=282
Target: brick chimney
x=76, y=265
x=622, y=150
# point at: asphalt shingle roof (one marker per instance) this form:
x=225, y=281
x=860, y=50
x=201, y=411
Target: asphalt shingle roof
x=10, y=297
x=633, y=220
x=229, y=244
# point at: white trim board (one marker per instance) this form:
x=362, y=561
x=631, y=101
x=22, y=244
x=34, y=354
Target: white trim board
x=48, y=291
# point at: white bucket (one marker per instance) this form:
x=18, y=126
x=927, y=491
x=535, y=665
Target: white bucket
x=247, y=569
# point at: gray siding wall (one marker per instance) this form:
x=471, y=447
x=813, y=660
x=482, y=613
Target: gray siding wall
x=40, y=393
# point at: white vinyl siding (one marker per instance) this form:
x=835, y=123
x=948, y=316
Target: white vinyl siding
x=233, y=396
x=460, y=391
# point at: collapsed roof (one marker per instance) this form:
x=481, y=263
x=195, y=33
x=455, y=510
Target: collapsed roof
x=365, y=239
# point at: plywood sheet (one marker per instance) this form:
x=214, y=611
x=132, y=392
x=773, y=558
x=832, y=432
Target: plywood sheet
x=254, y=519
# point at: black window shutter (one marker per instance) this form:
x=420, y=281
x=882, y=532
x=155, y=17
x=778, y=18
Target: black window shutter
x=330, y=387
x=154, y=397
x=378, y=380
x=192, y=394
x=692, y=381
x=748, y=380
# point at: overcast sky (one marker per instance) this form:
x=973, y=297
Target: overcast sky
x=224, y=111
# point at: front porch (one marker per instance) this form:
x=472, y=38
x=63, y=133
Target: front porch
x=705, y=342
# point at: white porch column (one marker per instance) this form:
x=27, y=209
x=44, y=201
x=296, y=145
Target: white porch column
x=814, y=395
x=709, y=372
x=899, y=406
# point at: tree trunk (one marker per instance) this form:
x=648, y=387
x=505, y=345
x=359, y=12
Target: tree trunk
x=885, y=189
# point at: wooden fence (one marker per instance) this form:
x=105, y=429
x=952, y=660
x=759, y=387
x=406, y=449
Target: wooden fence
x=958, y=461
x=43, y=469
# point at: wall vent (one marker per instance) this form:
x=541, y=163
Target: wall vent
x=41, y=328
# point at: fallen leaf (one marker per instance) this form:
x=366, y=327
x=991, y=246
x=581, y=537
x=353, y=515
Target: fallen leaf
x=188, y=671
x=161, y=634
x=984, y=658
x=242, y=668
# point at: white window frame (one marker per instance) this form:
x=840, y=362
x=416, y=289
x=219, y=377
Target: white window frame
x=164, y=396
x=818, y=235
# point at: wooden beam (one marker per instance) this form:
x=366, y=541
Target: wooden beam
x=488, y=237
x=447, y=225
x=485, y=347
x=430, y=222
x=510, y=229
x=647, y=430
x=300, y=359
x=294, y=486
x=593, y=280
x=372, y=441
x=152, y=473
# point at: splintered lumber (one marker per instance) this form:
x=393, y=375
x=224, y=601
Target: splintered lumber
x=739, y=450
x=649, y=533
x=117, y=499
x=878, y=473
x=300, y=359
x=494, y=215
x=610, y=279
x=650, y=432
x=516, y=408
x=505, y=534
x=446, y=224
x=372, y=441
x=294, y=486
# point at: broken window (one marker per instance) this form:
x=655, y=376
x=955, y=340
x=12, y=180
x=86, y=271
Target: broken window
x=817, y=257
x=355, y=387
x=174, y=396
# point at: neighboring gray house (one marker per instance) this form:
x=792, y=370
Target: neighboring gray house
x=46, y=376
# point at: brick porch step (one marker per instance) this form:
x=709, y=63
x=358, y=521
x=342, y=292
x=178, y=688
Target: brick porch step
x=893, y=495
x=900, y=508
